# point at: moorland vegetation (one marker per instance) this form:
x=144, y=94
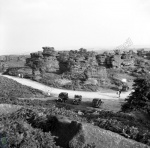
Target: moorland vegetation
x=33, y=124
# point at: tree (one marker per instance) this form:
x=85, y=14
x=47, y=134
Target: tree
x=140, y=98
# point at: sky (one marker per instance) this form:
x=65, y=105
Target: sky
x=28, y=25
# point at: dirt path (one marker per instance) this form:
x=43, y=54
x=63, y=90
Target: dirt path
x=87, y=96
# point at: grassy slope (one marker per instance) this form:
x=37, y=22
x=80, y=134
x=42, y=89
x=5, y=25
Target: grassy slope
x=12, y=88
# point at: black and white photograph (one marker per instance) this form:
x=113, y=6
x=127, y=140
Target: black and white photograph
x=74, y=73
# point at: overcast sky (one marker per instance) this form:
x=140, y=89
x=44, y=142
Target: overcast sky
x=27, y=25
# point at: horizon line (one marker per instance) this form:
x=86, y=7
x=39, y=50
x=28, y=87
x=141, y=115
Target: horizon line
x=88, y=48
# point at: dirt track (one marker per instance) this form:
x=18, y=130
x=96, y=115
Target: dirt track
x=87, y=96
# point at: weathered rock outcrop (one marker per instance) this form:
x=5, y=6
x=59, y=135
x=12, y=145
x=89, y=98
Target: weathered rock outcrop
x=49, y=51
x=117, y=59
x=50, y=64
x=98, y=72
x=82, y=62
x=63, y=59
x=45, y=61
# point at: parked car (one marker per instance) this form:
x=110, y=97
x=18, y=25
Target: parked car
x=63, y=97
x=77, y=99
x=96, y=102
x=125, y=87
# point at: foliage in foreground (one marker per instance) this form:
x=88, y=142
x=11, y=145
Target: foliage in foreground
x=116, y=122
x=30, y=127
x=140, y=98
x=120, y=123
x=20, y=134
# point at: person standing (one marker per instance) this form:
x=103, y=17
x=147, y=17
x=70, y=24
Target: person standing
x=119, y=90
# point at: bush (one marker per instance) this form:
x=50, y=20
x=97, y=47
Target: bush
x=12, y=71
x=90, y=87
x=37, y=111
x=50, y=82
x=31, y=127
x=20, y=134
x=68, y=86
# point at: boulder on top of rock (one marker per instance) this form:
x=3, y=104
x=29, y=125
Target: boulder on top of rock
x=49, y=51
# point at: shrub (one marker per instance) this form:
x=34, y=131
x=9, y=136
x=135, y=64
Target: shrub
x=68, y=86
x=90, y=87
x=50, y=82
x=21, y=134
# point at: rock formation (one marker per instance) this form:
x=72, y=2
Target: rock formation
x=45, y=61
x=116, y=60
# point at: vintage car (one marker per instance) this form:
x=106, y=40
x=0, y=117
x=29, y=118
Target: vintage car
x=125, y=87
x=96, y=102
x=77, y=99
x=63, y=97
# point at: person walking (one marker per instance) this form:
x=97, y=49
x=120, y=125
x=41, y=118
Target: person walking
x=119, y=90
